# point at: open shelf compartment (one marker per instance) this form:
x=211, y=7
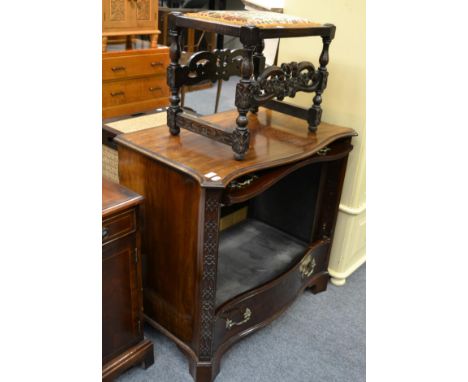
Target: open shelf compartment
x=251, y=254
x=270, y=234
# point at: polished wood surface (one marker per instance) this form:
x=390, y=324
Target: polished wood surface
x=290, y=183
x=116, y=198
x=276, y=139
x=123, y=344
x=134, y=81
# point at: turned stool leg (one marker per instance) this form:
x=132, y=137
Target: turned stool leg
x=218, y=95
x=182, y=96
x=241, y=135
x=259, y=66
x=315, y=112
x=172, y=81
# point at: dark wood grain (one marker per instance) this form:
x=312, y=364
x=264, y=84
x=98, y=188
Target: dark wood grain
x=169, y=241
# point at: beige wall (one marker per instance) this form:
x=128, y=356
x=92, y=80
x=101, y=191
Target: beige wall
x=344, y=103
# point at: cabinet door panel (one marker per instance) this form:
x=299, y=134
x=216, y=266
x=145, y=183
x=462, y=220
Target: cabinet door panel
x=118, y=14
x=146, y=13
x=120, y=304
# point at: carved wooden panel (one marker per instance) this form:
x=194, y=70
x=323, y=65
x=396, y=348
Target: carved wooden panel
x=117, y=10
x=143, y=9
x=208, y=284
x=129, y=15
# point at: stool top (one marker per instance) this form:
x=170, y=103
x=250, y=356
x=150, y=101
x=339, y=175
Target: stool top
x=269, y=24
x=260, y=19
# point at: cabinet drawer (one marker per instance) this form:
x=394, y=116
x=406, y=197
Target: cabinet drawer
x=118, y=226
x=247, y=186
x=140, y=65
x=134, y=90
x=256, y=308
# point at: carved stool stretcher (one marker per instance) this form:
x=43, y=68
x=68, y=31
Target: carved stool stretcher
x=257, y=85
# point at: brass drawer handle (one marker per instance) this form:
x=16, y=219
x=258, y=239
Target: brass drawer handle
x=307, y=266
x=323, y=151
x=105, y=232
x=236, y=184
x=119, y=93
x=117, y=68
x=247, y=315
x=156, y=63
x=152, y=89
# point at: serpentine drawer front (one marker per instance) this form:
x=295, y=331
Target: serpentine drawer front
x=256, y=308
x=250, y=185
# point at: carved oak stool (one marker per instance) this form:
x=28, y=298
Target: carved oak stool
x=257, y=85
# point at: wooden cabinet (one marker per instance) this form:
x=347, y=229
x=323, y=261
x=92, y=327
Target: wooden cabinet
x=206, y=287
x=129, y=17
x=123, y=344
x=134, y=81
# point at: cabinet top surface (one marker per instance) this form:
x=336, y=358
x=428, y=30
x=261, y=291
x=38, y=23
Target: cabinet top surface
x=275, y=139
x=116, y=198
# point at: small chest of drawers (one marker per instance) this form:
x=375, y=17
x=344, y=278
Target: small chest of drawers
x=134, y=81
x=123, y=344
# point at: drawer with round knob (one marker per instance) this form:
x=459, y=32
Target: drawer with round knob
x=118, y=226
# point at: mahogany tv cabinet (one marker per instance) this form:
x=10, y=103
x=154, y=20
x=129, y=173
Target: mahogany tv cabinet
x=207, y=287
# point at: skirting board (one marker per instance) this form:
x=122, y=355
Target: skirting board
x=349, y=245
x=339, y=278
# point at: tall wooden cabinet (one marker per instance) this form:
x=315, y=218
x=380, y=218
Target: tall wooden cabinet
x=129, y=17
